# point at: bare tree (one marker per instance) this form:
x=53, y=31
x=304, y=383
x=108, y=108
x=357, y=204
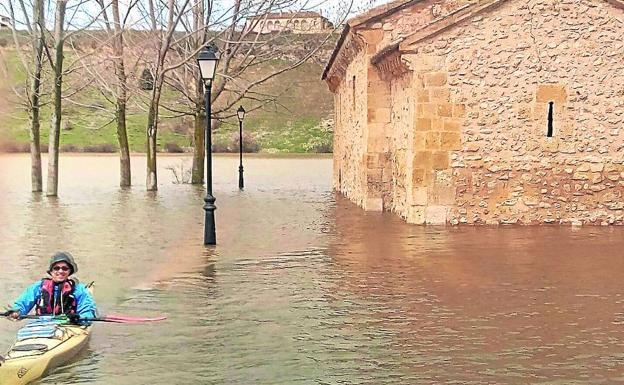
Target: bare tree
x=33, y=67
x=55, y=128
x=243, y=52
x=116, y=37
x=173, y=12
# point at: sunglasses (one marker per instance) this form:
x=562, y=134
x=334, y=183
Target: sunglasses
x=62, y=268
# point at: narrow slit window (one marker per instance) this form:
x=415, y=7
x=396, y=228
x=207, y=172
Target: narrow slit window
x=550, y=119
x=353, y=93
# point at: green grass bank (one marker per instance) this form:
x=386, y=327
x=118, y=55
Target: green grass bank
x=298, y=121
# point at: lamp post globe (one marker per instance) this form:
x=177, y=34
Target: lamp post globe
x=207, y=61
x=241, y=116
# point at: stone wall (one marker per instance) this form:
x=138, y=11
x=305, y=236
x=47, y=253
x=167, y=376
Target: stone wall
x=351, y=131
x=370, y=152
x=402, y=103
x=483, y=91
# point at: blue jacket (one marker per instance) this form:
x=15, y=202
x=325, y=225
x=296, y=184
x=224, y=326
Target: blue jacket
x=84, y=302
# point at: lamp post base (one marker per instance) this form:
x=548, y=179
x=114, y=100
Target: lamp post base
x=241, y=182
x=210, y=236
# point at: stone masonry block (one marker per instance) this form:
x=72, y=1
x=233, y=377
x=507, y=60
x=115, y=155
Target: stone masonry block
x=422, y=159
x=437, y=124
x=374, y=175
x=372, y=36
x=452, y=124
x=435, y=79
x=426, y=62
x=419, y=112
x=378, y=98
x=450, y=140
x=459, y=110
x=436, y=215
x=373, y=204
x=419, y=141
x=422, y=124
x=441, y=195
x=422, y=96
x=416, y=215
x=418, y=177
x=440, y=94
x=429, y=110
x=379, y=115
x=432, y=141
x=419, y=196
x=371, y=160
x=440, y=160
x=376, y=145
x=445, y=110
x=551, y=92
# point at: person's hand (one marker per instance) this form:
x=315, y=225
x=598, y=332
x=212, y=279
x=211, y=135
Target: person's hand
x=14, y=314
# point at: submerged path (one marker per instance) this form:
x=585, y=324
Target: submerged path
x=305, y=288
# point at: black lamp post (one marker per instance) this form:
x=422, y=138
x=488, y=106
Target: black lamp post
x=241, y=116
x=207, y=61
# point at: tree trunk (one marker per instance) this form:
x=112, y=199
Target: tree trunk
x=35, y=90
x=152, y=130
x=35, y=119
x=199, y=132
x=125, y=179
x=199, y=136
x=55, y=129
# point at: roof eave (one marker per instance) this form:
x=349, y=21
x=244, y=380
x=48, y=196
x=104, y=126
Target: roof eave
x=372, y=15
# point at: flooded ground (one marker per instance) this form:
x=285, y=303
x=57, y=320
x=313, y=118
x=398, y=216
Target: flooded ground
x=306, y=288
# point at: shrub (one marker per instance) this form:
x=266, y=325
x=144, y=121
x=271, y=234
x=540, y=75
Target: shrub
x=14, y=147
x=173, y=147
x=220, y=144
x=69, y=148
x=320, y=145
x=181, y=127
x=181, y=173
x=68, y=125
x=104, y=147
x=3, y=42
x=250, y=143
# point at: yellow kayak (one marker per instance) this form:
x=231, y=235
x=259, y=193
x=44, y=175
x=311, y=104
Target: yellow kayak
x=41, y=346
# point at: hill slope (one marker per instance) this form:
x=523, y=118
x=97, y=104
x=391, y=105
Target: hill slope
x=295, y=122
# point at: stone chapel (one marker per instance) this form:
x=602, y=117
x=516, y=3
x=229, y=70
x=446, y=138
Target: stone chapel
x=482, y=112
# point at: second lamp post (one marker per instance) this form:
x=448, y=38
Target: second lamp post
x=241, y=116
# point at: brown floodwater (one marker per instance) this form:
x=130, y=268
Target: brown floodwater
x=306, y=288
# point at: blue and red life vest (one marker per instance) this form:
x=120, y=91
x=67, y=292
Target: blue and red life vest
x=49, y=304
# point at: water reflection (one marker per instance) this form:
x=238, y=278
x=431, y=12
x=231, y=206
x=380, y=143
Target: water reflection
x=305, y=288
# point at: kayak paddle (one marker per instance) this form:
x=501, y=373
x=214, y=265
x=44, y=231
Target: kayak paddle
x=112, y=318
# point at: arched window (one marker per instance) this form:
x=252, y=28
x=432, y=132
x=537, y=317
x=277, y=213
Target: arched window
x=304, y=25
x=278, y=25
x=270, y=26
x=297, y=26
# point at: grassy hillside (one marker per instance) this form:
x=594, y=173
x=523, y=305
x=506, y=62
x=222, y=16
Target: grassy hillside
x=294, y=123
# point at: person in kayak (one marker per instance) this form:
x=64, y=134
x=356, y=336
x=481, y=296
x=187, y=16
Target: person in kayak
x=57, y=295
